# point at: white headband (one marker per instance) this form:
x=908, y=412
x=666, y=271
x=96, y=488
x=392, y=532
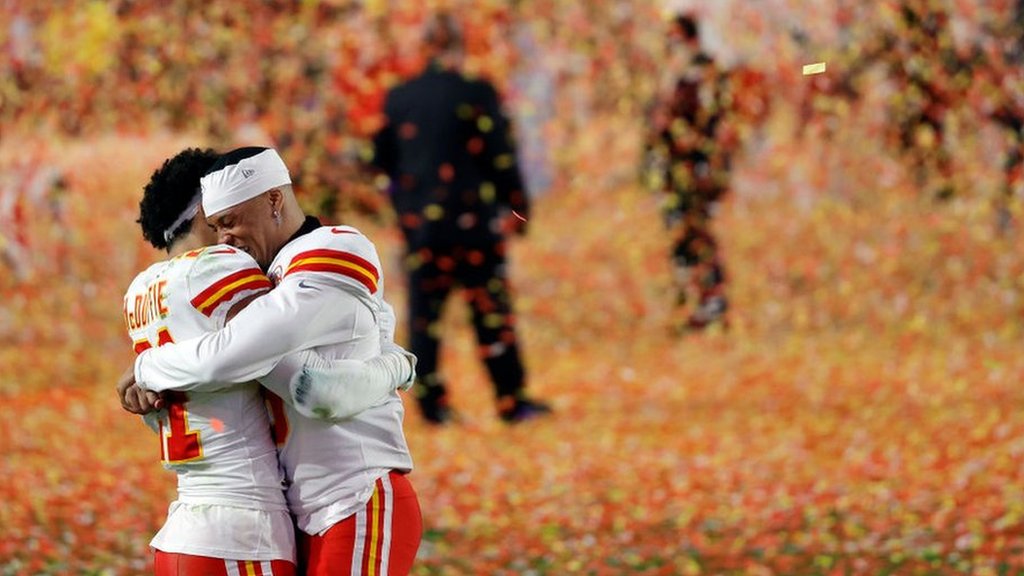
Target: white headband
x=190, y=212
x=250, y=177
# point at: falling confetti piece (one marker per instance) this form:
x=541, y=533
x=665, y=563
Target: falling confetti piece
x=517, y=215
x=816, y=68
x=217, y=424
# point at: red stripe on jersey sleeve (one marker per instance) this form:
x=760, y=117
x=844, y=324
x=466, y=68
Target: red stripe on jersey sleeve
x=226, y=288
x=338, y=262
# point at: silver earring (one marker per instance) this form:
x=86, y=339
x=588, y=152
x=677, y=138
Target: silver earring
x=277, y=217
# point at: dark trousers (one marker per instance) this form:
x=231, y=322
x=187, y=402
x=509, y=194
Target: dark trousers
x=481, y=273
x=695, y=253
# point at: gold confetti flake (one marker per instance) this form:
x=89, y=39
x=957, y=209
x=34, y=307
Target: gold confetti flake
x=816, y=68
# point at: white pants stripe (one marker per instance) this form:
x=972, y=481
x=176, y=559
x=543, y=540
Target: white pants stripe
x=385, y=549
x=386, y=499
x=232, y=567
x=266, y=568
x=360, y=542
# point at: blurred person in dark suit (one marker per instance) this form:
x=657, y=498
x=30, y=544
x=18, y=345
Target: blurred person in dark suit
x=455, y=185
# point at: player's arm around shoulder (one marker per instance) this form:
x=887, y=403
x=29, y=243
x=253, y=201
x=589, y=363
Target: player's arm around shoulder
x=216, y=278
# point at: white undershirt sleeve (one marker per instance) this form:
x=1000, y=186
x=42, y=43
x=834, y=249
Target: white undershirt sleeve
x=340, y=388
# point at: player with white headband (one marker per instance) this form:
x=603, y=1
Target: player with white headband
x=356, y=509
x=230, y=516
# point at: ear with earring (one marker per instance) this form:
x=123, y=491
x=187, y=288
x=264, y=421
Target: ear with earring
x=277, y=217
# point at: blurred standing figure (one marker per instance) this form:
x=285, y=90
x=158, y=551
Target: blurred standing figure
x=689, y=160
x=13, y=246
x=923, y=62
x=998, y=91
x=448, y=150
x=31, y=188
x=533, y=84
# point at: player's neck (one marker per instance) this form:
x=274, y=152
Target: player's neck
x=187, y=243
x=447, y=60
x=292, y=218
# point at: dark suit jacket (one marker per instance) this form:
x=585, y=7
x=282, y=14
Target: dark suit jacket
x=448, y=149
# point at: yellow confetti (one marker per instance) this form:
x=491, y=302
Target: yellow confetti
x=816, y=68
x=488, y=193
x=433, y=212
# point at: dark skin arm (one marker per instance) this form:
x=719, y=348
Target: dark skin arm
x=134, y=399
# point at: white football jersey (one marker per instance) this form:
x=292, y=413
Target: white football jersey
x=218, y=442
x=332, y=467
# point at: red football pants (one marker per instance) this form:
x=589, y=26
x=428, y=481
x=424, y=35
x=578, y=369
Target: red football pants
x=379, y=540
x=169, y=564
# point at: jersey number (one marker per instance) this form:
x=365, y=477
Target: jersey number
x=178, y=443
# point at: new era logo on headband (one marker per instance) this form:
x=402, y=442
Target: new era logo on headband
x=240, y=175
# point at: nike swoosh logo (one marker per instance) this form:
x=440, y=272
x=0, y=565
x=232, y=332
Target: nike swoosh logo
x=302, y=284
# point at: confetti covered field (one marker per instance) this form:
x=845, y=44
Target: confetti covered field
x=860, y=416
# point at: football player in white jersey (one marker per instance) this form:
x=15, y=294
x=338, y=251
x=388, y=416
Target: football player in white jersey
x=357, y=512
x=230, y=516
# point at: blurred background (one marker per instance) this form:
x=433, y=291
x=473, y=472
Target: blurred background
x=858, y=413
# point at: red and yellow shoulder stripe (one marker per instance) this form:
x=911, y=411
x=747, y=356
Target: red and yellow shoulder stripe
x=337, y=262
x=226, y=288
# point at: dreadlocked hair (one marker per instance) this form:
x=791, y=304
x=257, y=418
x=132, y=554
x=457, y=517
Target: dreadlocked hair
x=170, y=190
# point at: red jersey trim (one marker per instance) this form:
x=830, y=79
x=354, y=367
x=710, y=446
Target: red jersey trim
x=336, y=262
x=226, y=288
